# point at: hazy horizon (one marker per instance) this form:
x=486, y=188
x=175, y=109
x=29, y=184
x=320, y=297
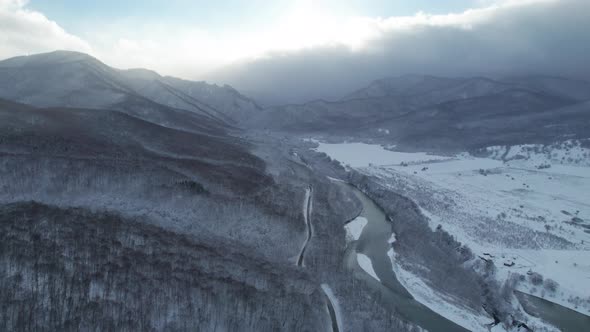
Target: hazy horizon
x=295, y=51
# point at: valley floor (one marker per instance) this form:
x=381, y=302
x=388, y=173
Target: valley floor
x=530, y=215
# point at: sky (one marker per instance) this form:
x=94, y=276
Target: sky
x=303, y=49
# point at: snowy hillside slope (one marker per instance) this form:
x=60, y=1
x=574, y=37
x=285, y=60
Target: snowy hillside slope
x=435, y=90
x=568, y=88
x=123, y=274
x=429, y=90
x=222, y=102
x=83, y=81
x=111, y=160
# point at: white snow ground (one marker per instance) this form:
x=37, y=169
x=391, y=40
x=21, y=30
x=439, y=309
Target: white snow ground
x=569, y=152
x=354, y=229
x=529, y=206
x=364, y=155
x=463, y=316
x=366, y=264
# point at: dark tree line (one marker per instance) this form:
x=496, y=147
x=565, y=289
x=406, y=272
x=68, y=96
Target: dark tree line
x=75, y=270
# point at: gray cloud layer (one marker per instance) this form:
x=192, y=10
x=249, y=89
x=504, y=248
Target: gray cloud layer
x=543, y=37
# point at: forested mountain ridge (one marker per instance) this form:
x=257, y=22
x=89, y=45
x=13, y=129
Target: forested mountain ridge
x=72, y=79
x=427, y=112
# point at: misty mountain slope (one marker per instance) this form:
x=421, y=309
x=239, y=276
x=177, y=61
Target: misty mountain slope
x=83, y=133
x=382, y=99
x=407, y=84
x=175, y=118
x=113, y=135
x=432, y=90
x=325, y=116
x=190, y=183
x=60, y=79
x=72, y=269
x=428, y=90
x=224, y=102
x=71, y=79
x=164, y=93
x=13, y=106
x=510, y=117
x=424, y=112
x=567, y=88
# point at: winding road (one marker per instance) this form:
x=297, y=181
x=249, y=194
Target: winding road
x=332, y=308
x=307, y=209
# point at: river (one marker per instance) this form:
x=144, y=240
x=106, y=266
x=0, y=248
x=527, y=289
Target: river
x=565, y=319
x=373, y=243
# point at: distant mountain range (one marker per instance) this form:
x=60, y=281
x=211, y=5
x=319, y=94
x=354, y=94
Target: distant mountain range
x=426, y=112
x=412, y=111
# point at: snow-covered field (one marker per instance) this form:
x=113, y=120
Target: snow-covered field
x=525, y=207
x=569, y=152
x=364, y=155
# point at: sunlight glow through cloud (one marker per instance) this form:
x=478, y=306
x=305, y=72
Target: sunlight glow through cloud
x=189, y=51
x=304, y=25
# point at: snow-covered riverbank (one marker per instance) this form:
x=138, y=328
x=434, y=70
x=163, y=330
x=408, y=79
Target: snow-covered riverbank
x=527, y=215
x=354, y=229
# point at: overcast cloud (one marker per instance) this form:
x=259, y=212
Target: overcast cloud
x=311, y=53
x=506, y=38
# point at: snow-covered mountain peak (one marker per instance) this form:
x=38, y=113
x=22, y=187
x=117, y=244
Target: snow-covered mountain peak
x=51, y=58
x=86, y=82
